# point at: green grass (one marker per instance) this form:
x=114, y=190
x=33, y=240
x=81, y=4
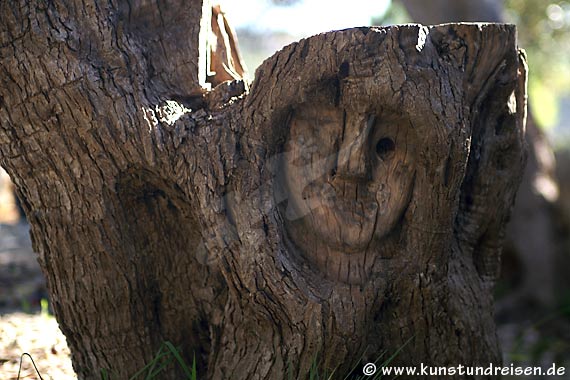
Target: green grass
x=316, y=374
x=378, y=374
x=168, y=354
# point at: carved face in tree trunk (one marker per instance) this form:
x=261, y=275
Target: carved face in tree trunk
x=348, y=173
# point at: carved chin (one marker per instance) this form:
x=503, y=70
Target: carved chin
x=338, y=232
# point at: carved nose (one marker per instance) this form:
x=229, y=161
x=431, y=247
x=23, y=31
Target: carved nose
x=353, y=161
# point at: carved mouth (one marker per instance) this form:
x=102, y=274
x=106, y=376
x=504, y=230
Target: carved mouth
x=353, y=199
x=345, y=212
x=343, y=224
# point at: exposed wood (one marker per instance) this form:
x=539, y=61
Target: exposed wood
x=531, y=242
x=225, y=60
x=162, y=214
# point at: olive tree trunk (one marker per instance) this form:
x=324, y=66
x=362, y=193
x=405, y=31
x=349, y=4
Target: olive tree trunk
x=351, y=202
x=531, y=242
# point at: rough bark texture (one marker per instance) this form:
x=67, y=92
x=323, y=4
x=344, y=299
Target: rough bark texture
x=352, y=201
x=531, y=245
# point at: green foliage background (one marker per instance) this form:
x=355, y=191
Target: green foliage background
x=544, y=32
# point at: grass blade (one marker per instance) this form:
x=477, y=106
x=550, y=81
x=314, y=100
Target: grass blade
x=194, y=372
x=152, y=363
x=181, y=362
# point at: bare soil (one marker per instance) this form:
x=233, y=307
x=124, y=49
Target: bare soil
x=23, y=328
x=40, y=337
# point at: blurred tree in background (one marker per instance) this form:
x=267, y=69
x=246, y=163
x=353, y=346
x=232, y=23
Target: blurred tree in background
x=544, y=32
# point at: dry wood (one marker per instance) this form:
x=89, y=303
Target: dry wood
x=355, y=197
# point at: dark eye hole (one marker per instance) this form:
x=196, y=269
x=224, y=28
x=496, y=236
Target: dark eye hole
x=385, y=148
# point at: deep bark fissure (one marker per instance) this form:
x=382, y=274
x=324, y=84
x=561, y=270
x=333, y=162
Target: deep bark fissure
x=155, y=220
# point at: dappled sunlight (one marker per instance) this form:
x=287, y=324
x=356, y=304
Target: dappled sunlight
x=40, y=337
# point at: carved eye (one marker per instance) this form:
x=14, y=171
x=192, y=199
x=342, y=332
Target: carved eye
x=385, y=148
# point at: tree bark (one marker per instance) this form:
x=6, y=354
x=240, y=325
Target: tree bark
x=531, y=242
x=352, y=202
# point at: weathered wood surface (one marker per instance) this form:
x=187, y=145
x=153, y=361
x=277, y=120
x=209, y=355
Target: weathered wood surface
x=352, y=199
x=531, y=243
